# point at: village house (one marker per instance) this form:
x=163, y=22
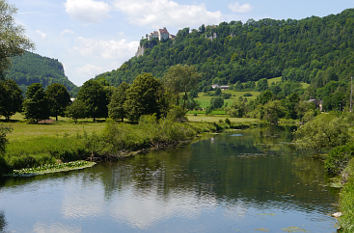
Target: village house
x=222, y=87
x=318, y=103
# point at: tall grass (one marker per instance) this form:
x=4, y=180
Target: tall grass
x=346, y=201
x=44, y=150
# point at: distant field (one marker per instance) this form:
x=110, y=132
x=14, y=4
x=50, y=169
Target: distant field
x=204, y=118
x=204, y=99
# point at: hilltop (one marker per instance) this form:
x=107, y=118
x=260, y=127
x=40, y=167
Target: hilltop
x=33, y=68
x=308, y=50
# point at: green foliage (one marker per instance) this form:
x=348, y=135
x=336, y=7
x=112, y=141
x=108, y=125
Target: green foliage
x=10, y=98
x=149, y=132
x=346, y=201
x=32, y=68
x=36, y=105
x=145, y=96
x=247, y=52
x=265, y=97
x=53, y=168
x=177, y=114
x=76, y=110
x=180, y=79
x=116, y=106
x=338, y=158
x=217, y=92
x=94, y=97
x=273, y=110
x=12, y=36
x=323, y=132
x=58, y=99
x=216, y=102
x=262, y=84
x=3, y=132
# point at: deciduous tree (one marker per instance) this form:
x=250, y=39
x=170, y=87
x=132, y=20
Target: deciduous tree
x=36, y=105
x=58, y=99
x=10, y=98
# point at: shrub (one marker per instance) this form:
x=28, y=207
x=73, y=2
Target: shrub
x=323, y=132
x=338, y=158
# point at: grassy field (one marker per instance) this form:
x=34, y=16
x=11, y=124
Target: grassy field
x=63, y=128
x=204, y=99
x=216, y=119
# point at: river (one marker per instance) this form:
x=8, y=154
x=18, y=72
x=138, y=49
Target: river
x=246, y=181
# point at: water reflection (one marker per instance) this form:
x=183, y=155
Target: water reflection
x=254, y=180
x=2, y=222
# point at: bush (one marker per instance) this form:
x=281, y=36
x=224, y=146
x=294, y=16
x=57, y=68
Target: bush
x=323, y=132
x=29, y=161
x=226, y=95
x=338, y=158
x=346, y=202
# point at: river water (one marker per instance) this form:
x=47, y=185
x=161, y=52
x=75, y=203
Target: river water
x=248, y=181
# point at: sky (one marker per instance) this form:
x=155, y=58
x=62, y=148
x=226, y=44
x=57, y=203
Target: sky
x=90, y=37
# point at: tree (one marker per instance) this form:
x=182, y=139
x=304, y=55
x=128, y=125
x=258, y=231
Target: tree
x=273, y=110
x=76, y=110
x=145, y=97
x=116, y=106
x=216, y=102
x=323, y=132
x=262, y=84
x=218, y=92
x=94, y=97
x=36, y=105
x=10, y=98
x=3, y=140
x=58, y=99
x=181, y=78
x=13, y=40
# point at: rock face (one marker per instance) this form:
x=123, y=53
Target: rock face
x=140, y=51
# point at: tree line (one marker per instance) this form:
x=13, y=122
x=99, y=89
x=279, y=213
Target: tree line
x=147, y=95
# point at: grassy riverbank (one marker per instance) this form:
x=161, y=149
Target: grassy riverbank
x=346, y=202
x=55, y=143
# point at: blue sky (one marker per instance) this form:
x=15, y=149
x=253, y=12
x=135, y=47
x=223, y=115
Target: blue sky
x=94, y=36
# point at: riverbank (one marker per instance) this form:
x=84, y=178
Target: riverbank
x=33, y=146
x=346, y=201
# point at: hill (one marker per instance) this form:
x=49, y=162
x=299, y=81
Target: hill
x=308, y=50
x=33, y=68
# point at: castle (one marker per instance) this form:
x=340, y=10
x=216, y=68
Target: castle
x=161, y=34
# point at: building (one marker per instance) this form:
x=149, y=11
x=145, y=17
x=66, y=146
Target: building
x=318, y=103
x=161, y=35
x=223, y=87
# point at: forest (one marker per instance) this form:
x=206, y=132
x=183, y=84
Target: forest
x=313, y=50
x=30, y=68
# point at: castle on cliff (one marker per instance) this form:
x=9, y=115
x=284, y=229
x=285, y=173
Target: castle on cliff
x=161, y=35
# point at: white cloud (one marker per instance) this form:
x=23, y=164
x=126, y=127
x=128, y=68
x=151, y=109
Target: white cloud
x=67, y=32
x=90, y=70
x=87, y=10
x=95, y=56
x=106, y=49
x=41, y=34
x=54, y=228
x=158, y=13
x=240, y=8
